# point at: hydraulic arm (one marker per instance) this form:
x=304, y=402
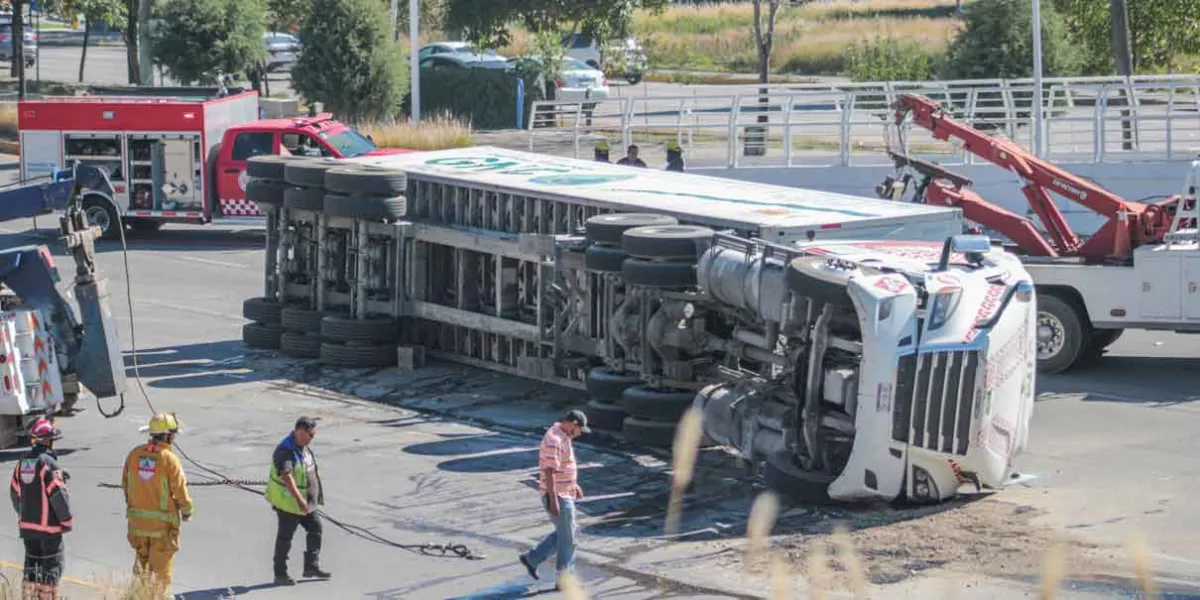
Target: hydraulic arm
x=1130, y=224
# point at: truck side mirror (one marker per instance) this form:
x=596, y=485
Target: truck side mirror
x=971, y=244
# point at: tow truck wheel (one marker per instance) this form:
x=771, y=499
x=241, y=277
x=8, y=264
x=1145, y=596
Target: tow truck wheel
x=607, y=386
x=647, y=432
x=650, y=403
x=99, y=212
x=667, y=242
x=1060, y=335
x=604, y=416
x=658, y=274
x=813, y=277
x=373, y=208
x=1103, y=338
x=785, y=478
x=300, y=345
x=607, y=229
x=366, y=180
x=342, y=328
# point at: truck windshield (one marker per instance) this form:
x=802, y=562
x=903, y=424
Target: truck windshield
x=349, y=142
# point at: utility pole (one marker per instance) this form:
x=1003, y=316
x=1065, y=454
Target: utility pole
x=414, y=64
x=145, y=65
x=1039, y=115
x=1123, y=57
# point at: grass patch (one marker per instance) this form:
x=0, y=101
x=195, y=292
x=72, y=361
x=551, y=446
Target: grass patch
x=437, y=133
x=8, y=120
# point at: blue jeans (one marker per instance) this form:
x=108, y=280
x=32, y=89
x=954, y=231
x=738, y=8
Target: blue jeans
x=561, y=539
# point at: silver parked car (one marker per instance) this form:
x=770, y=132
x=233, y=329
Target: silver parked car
x=282, y=49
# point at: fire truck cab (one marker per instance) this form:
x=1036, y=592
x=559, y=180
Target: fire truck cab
x=179, y=158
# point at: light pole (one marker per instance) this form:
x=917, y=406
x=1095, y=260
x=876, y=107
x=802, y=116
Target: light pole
x=414, y=18
x=1039, y=117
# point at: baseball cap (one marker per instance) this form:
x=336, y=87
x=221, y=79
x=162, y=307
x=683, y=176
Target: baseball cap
x=579, y=418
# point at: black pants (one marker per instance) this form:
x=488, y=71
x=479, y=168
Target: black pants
x=44, y=560
x=283, y=539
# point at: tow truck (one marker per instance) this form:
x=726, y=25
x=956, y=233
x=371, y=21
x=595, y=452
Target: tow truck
x=173, y=158
x=1139, y=270
x=54, y=344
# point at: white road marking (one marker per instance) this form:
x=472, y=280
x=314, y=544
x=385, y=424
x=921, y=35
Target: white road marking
x=210, y=261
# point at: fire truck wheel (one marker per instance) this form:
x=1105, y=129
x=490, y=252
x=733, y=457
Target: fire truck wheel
x=607, y=386
x=604, y=416
x=304, y=198
x=646, y=432
x=301, y=320
x=262, y=310
x=299, y=345
x=372, y=208
x=663, y=405
x=784, y=477
x=354, y=356
x=265, y=193
x=309, y=173
x=662, y=275
x=257, y=335
x=371, y=330
x=667, y=242
x=99, y=212
x=814, y=278
x=604, y=259
x=1060, y=335
x=607, y=229
x=367, y=180
x=270, y=166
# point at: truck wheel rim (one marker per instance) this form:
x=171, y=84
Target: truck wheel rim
x=98, y=217
x=1051, y=336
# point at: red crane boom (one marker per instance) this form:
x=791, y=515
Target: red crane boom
x=1130, y=224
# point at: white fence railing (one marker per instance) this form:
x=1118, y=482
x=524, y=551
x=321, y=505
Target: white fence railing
x=1094, y=119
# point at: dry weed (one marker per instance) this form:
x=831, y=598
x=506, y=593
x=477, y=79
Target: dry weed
x=686, y=447
x=436, y=133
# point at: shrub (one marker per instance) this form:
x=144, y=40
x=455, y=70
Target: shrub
x=889, y=59
x=201, y=39
x=484, y=97
x=997, y=42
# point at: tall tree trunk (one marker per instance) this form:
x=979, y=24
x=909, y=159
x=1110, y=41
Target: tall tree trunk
x=87, y=33
x=764, y=39
x=18, y=46
x=131, y=42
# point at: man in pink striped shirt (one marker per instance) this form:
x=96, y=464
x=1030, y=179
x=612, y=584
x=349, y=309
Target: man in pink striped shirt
x=560, y=489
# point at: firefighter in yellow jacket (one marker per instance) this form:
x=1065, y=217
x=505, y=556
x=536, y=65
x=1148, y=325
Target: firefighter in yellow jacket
x=156, y=500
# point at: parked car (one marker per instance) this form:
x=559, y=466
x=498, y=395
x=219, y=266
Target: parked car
x=29, y=49
x=580, y=82
x=465, y=61
x=620, y=58
x=282, y=49
x=456, y=48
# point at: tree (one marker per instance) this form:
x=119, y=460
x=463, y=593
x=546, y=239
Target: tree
x=997, y=42
x=198, y=41
x=109, y=12
x=764, y=35
x=349, y=61
x=1160, y=32
x=283, y=15
x=487, y=23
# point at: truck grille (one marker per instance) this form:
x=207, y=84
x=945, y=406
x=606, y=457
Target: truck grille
x=935, y=393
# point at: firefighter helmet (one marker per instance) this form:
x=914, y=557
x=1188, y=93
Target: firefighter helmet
x=163, y=423
x=602, y=145
x=673, y=146
x=43, y=429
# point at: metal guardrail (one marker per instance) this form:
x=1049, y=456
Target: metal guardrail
x=1087, y=119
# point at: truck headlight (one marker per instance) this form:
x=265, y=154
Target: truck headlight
x=924, y=488
x=942, y=307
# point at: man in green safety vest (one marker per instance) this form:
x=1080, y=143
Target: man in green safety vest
x=294, y=491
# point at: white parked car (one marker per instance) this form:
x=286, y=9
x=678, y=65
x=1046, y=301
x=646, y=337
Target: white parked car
x=581, y=83
x=624, y=58
x=282, y=49
x=462, y=48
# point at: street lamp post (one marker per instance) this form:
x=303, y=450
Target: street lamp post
x=1039, y=116
x=414, y=18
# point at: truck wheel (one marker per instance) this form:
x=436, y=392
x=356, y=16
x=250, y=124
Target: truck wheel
x=371, y=330
x=262, y=310
x=372, y=208
x=144, y=224
x=366, y=180
x=658, y=405
x=299, y=345
x=99, y=212
x=304, y=199
x=607, y=229
x=355, y=356
x=604, y=416
x=266, y=193
x=634, y=78
x=645, y=432
x=813, y=277
x=301, y=320
x=653, y=274
x=607, y=386
x=1060, y=335
x=270, y=166
x=1103, y=338
x=309, y=173
x=784, y=477
x=257, y=335
x=667, y=242
x=604, y=259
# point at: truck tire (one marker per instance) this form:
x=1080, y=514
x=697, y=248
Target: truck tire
x=607, y=229
x=667, y=242
x=1103, y=338
x=372, y=208
x=604, y=259
x=366, y=180
x=269, y=166
x=645, y=432
x=662, y=275
x=297, y=198
x=299, y=345
x=607, y=386
x=263, y=192
x=301, y=320
x=265, y=337
x=356, y=356
x=309, y=173
x=659, y=405
x=99, y=212
x=785, y=478
x=262, y=310
x=812, y=277
x=146, y=225
x=342, y=328
x=604, y=416
x=1063, y=337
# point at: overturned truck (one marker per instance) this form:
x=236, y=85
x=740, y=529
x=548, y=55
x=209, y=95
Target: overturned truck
x=854, y=348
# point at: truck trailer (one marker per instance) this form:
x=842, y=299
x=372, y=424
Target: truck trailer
x=859, y=349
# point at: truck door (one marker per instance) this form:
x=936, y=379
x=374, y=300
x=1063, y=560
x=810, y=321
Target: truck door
x=231, y=172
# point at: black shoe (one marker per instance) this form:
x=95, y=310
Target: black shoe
x=284, y=580
x=316, y=573
x=528, y=567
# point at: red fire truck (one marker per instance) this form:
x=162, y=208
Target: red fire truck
x=171, y=159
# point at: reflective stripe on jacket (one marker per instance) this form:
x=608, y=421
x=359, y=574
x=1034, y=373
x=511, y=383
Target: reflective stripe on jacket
x=156, y=491
x=39, y=495
x=277, y=491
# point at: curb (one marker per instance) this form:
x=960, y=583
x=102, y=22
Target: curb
x=10, y=147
